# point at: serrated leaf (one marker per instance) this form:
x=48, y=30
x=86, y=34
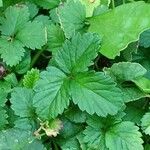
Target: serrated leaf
x=145, y=39
x=113, y=24
x=15, y=18
x=31, y=78
x=77, y=55
x=71, y=20
x=19, y=139
x=51, y=97
x=96, y=93
x=145, y=123
x=11, y=49
x=115, y=136
x=3, y=118
x=55, y=37
x=24, y=64
x=22, y=102
x=126, y=135
x=127, y=71
x=33, y=35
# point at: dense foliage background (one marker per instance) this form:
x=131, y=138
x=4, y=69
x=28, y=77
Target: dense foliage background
x=74, y=75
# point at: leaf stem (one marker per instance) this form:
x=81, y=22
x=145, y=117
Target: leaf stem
x=123, y=1
x=113, y=4
x=36, y=57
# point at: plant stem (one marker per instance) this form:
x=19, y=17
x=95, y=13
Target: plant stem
x=55, y=146
x=123, y=1
x=113, y=4
x=36, y=57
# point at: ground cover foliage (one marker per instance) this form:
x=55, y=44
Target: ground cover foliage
x=74, y=75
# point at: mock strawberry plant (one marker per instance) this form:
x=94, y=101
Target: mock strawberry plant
x=74, y=75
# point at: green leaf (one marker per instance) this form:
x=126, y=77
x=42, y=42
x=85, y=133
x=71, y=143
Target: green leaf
x=77, y=54
x=145, y=123
x=33, y=35
x=71, y=20
x=120, y=26
x=11, y=51
x=126, y=71
x=90, y=5
x=33, y=9
x=51, y=97
x=143, y=83
x=112, y=135
x=5, y=88
x=18, y=139
x=124, y=136
x=55, y=37
x=134, y=111
x=24, y=65
x=15, y=19
x=21, y=100
x=47, y=4
x=145, y=39
x=25, y=124
x=74, y=114
x=3, y=118
x=96, y=93
x=31, y=78
x=132, y=93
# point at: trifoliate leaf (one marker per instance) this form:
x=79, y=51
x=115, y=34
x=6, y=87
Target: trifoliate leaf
x=47, y=4
x=21, y=100
x=145, y=39
x=145, y=123
x=51, y=97
x=15, y=19
x=3, y=118
x=11, y=51
x=19, y=139
x=113, y=135
x=127, y=71
x=96, y=93
x=113, y=24
x=90, y=5
x=31, y=78
x=55, y=37
x=143, y=83
x=77, y=55
x=33, y=35
x=71, y=20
